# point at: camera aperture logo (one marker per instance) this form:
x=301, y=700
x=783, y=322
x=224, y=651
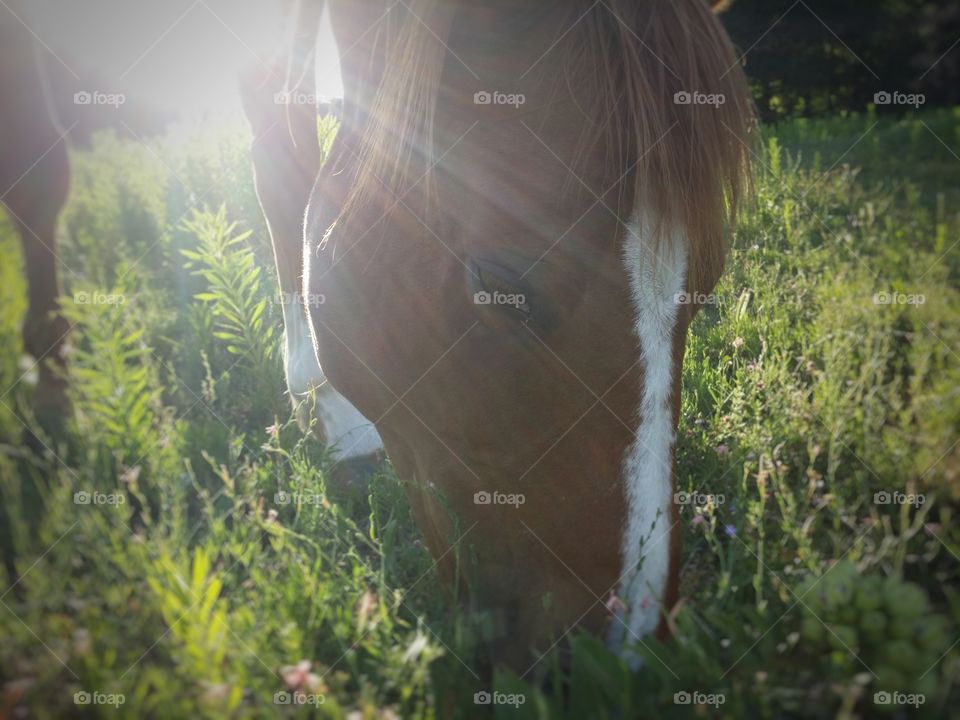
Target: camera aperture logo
x=498, y=498
x=514, y=300
x=86, y=497
x=696, y=298
x=298, y=698
x=95, y=97
x=307, y=300
x=698, y=499
x=484, y=97
x=484, y=697
x=98, y=298
x=895, y=497
x=294, y=97
x=696, y=97
x=899, y=698
x=898, y=298
x=85, y=697
x=699, y=698
x=896, y=97
x=282, y=497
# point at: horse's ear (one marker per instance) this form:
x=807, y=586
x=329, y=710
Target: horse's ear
x=718, y=6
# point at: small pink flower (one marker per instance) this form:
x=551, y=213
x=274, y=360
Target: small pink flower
x=697, y=519
x=738, y=342
x=295, y=676
x=615, y=605
x=273, y=430
x=214, y=694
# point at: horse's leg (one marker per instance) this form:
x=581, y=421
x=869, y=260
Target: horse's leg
x=286, y=160
x=34, y=182
x=44, y=329
x=35, y=206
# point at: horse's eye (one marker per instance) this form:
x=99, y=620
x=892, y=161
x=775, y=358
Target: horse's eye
x=498, y=287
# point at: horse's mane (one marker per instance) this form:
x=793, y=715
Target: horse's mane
x=690, y=163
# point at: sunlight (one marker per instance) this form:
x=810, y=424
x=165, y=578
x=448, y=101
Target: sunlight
x=176, y=59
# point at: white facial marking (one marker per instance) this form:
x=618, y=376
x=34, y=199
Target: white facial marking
x=655, y=283
x=349, y=433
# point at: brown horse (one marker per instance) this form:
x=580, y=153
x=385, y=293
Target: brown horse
x=34, y=180
x=519, y=199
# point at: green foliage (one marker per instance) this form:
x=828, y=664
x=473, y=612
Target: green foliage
x=226, y=557
x=236, y=290
x=881, y=624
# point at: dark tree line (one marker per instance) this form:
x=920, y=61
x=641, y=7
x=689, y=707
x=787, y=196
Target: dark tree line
x=831, y=55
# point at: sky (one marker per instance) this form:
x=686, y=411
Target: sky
x=180, y=56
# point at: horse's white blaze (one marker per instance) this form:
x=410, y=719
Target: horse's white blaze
x=349, y=433
x=655, y=283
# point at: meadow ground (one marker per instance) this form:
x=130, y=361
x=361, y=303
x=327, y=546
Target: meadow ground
x=177, y=547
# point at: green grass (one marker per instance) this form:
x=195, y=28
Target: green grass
x=191, y=589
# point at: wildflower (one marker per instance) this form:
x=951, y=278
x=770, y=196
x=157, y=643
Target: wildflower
x=366, y=608
x=737, y=342
x=615, y=605
x=298, y=677
x=214, y=693
x=130, y=475
x=730, y=530
x=81, y=641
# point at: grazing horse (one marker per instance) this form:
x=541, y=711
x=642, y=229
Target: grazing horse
x=519, y=199
x=286, y=159
x=34, y=181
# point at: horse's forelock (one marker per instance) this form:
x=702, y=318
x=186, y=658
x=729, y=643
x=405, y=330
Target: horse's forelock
x=688, y=162
x=656, y=65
